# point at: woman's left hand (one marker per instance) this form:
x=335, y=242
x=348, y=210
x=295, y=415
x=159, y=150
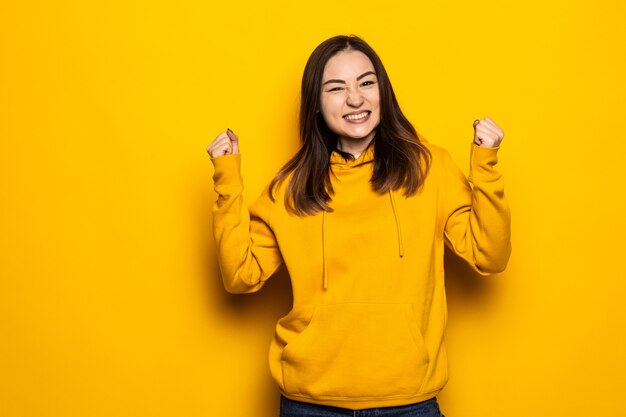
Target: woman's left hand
x=487, y=133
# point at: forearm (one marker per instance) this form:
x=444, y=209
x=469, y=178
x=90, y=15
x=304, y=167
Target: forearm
x=479, y=230
x=246, y=247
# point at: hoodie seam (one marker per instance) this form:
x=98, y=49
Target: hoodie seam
x=444, y=197
x=269, y=215
x=329, y=397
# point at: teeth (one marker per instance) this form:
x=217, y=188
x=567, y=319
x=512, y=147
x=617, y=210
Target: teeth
x=356, y=116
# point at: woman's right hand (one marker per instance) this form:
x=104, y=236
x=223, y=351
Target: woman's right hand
x=226, y=143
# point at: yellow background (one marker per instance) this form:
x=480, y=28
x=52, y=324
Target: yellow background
x=111, y=302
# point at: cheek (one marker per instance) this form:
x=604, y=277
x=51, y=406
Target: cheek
x=377, y=106
x=332, y=108
x=328, y=117
x=326, y=104
x=376, y=114
x=374, y=98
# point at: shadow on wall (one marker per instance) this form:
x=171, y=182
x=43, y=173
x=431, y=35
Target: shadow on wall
x=265, y=307
x=464, y=286
x=466, y=290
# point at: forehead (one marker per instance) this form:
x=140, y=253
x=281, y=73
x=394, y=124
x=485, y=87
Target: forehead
x=347, y=65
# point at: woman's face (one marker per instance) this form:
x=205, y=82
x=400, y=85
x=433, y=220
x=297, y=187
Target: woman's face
x=350, y=97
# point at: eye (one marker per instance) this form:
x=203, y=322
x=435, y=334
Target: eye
x=335, y=88
x=366, y=83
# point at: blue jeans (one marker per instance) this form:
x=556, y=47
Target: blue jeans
x=292, y=408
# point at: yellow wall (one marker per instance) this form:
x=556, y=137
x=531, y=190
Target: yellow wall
x=111, y=303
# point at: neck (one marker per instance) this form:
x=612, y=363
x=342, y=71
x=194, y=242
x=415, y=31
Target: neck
x=354, y=146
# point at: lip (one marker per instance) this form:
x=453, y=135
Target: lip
x=357, y=112
x=358, y=121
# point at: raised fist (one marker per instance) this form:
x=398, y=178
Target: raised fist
x=487, y=133
x=226, y=143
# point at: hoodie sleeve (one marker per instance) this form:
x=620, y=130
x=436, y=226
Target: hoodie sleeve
x=247, y=250
x=478, y=219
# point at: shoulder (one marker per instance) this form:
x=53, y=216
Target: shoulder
x=442, y=164
x=279, y=188
x=439, y=155
x=434, y=149
x=273, y=193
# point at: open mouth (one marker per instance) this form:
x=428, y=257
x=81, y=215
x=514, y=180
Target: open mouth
x=360, y=116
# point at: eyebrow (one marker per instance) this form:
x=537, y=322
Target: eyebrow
x=357, y=78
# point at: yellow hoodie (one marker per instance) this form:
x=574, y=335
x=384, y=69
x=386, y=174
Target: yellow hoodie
x=369, y=305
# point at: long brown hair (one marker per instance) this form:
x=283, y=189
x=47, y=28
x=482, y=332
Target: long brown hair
x=400, y=159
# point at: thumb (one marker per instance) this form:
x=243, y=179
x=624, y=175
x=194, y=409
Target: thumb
x=477, y=140
x=234, y=140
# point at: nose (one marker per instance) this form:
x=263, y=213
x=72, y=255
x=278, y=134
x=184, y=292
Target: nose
x=354, y=99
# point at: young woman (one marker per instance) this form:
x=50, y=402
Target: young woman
x=359, y=217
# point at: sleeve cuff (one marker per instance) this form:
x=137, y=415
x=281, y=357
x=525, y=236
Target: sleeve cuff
x=227, y=169
x=482, y=160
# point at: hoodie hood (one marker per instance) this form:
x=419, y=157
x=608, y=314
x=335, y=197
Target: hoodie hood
x=338, y=161
x=338, y=164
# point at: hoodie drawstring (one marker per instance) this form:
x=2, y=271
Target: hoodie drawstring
x=398, y=230
x=395, y=215
x=324, y=249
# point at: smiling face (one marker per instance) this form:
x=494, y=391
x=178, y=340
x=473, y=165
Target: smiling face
x=350, y=99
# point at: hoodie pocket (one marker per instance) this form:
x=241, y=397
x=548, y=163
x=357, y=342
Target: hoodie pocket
x=350, y=350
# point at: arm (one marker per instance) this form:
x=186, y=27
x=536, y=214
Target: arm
x=247, y=250
x=478, y=226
